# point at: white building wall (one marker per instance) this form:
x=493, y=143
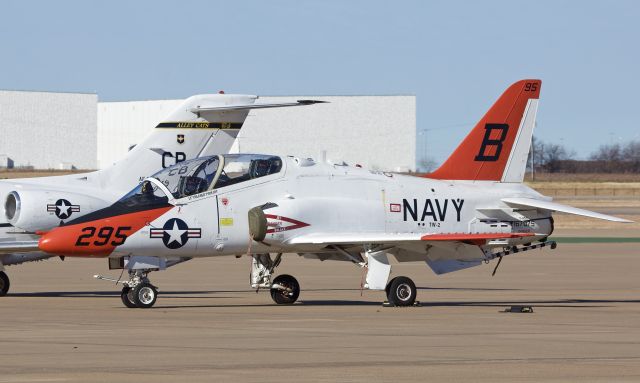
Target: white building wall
x=123, y=124
x=375, y=131
x=48, y=130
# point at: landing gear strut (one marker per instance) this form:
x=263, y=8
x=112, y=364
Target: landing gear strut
x=138, y=292
x=4, y=283
x=284, y=289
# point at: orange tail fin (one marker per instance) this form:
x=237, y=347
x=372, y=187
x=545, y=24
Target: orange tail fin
x=497, y=147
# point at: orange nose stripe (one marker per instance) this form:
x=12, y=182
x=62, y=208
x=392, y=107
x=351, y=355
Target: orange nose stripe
x=99, y=237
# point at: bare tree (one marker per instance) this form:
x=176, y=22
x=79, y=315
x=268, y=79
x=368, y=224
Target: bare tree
x=548, y=156
x=552, y=156
x=617, y=158
x=611, y=152
x=534, y=161
x=631, y=151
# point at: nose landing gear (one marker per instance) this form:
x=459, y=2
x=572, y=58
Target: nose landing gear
x=137, y=292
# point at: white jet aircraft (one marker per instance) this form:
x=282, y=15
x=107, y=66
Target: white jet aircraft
x=202, y=125
x=471, y=210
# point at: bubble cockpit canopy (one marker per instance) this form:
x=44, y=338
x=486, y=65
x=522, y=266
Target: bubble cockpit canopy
x=202, y=174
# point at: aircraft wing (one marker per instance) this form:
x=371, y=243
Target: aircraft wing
x=225, y=108
x=340, y=238
x=553, y=206
x=352, y=238
x=450, y=251
x=8, y=247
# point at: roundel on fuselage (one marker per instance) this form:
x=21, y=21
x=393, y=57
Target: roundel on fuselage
x=175, y=233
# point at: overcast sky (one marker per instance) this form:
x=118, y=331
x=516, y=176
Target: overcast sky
x=456, y=57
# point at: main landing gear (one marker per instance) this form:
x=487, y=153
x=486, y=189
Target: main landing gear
x=4, y=283
x=401, y=291
x=284, y=289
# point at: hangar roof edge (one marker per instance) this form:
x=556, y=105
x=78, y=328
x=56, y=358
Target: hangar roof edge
x=46, y=91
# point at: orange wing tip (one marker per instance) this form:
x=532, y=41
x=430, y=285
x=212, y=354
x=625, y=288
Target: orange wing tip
x=47, y=245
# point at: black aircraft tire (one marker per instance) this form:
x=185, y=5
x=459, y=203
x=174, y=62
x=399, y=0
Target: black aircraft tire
x=127, y=296
x=388, y=287
x=402, y=292
x=283, y=297
x=145, y=295
x=4, y=283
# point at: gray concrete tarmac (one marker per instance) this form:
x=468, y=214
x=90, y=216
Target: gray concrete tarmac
x=60, y=325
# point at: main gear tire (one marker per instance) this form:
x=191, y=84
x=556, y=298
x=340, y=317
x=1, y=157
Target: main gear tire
x=401, y=292
x=289, y=292
x=388, y=287
x=4, y=283
x=145, y=295
x=127, y=297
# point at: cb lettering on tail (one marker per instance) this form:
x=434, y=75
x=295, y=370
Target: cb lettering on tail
x=179, y=157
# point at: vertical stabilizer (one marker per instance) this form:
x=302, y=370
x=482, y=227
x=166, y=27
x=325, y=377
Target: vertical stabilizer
x=202, y=125
x=497, y=147
x=183, y=135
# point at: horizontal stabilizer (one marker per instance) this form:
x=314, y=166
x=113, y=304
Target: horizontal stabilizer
x=225, y=108
x=553, y=206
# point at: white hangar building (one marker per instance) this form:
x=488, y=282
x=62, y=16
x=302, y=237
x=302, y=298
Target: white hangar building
x=60, y=130
x=47, y=130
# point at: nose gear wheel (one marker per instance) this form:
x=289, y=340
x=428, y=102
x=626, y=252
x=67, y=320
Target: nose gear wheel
x=127, y=297
x=145, y=295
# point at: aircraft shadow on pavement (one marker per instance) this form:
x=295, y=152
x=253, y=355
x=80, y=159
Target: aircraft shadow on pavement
x=168, y=296
x=165, y=294
x=559, y=303
x=115, y=293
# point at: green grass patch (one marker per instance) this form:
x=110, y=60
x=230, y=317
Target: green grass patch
x=596, y=239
